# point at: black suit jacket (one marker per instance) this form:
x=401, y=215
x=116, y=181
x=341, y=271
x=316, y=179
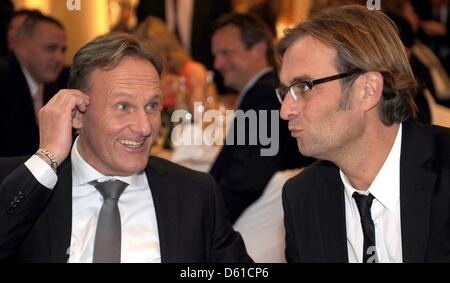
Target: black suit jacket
x=204, y=14
x=35, y=222
x=20, y=133
x=314, y=207
x=240, y=170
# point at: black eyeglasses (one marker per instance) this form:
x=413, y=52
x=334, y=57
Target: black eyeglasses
x=303, y=88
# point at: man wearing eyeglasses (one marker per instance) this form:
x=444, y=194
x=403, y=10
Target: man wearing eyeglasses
x=382, y=190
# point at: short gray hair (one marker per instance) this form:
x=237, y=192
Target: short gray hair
x=105, y=53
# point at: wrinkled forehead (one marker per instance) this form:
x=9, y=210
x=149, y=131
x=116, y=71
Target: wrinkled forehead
x=47, y=27
x=134, y=76
x=227, y=37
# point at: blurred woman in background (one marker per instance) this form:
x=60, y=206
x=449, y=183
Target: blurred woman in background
x=180, y=72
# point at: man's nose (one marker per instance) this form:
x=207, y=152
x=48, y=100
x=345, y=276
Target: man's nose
x=59, y=55
x=289, y=108
x=218, y=62
x=141, y=123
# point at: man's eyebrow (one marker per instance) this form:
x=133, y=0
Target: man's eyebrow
x=158, y=95
x=122, y=95
x=119, y=95
x=295, y=80
x=299, y=79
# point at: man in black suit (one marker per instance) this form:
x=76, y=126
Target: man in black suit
x=382, y=190
x=58, y=207
x=243, y=50
x=28, y=80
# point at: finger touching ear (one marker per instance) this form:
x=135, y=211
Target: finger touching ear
x=77, y=121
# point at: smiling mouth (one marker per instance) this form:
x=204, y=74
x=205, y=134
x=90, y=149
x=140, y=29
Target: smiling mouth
x=131, y=144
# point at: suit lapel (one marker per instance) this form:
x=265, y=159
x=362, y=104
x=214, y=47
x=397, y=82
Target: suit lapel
x=59, y=214
x=332, y=218
x=166, y=209
x=416, y=188
x=246, y=102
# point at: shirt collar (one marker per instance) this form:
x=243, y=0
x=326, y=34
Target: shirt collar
x=386, y=185
x=252, y=82
x=33, y=85
x=83, y=172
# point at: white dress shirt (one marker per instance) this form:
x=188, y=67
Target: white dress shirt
x=385, y=211
x=33, y=85
x=183, y=19
x=140, y=239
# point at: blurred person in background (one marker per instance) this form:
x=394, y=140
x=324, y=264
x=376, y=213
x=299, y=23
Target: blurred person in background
x=266, y=10
x=242, y=45
x=17, y=19
x=420, y=71
x=434, y=27
x=124, y=21
x=440, y=81
x=177, y=64
x=184, y=81
x=190, y=20
x=29, y=80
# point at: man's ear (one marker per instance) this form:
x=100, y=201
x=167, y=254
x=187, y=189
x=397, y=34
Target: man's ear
x=260, y=48
x=20, y=49
x=77, y=121
x=372, y=89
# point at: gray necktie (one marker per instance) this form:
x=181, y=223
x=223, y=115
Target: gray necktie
x=108, y=235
